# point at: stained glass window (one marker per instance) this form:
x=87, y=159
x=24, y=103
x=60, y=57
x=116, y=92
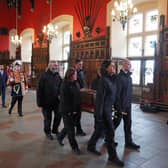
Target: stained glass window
x=66, y=53
x=135, y=23
x=135, y=46
x=149, y=45
x=136, y=71
x=151, y=20
x=149, y=71
x=67, y=37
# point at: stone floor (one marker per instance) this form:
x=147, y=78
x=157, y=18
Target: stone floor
x=24, y=145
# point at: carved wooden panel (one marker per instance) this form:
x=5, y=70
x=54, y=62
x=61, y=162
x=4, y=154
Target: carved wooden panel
x=40, y=59
x=4, y=58
x=92, y=51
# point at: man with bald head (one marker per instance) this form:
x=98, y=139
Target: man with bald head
x=48, y=91
x=124, y=97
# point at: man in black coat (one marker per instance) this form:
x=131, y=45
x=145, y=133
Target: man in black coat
x=95, y=82
x=105, y=99
x=3, y=83
x=124, y=97
x=48, y=92
x=81, y=81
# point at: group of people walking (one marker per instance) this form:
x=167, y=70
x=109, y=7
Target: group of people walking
x=63, y=97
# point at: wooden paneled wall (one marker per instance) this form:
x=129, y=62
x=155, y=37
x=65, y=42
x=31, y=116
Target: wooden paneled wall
x=92, y=51
x=4, y=58
x=39, y=62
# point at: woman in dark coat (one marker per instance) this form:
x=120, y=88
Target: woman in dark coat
x=105, y=99
x=69, y=107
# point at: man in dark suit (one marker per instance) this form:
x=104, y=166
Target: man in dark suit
x=81, y=81
x=124, y=97
x=3, y=81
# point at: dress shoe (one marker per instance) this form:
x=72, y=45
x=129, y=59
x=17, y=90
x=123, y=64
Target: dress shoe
x=115, y=160
x=132, y=145
x=10, y=111
x=49, y=136
x=115, y=144
x=4, y=106
x=21, y=115
x=60, y=141
x=77, y=151
x=80, y=133
x=94, y=151
x=55, y=132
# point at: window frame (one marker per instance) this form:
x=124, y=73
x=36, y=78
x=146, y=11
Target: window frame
x=144, y=34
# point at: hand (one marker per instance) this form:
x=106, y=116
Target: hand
x=123, y=113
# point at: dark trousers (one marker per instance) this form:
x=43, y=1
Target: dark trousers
x=78, y=122
x=69, y=129
x=15, y=99
x=127, y=125
x=3, y=95
x=107, y=126
x=47, y=114
x=100, y=131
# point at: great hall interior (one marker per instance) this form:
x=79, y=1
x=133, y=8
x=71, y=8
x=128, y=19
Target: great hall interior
x=38, y=31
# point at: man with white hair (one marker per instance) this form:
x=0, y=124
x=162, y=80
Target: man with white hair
x=124, y=97
x=48, y=91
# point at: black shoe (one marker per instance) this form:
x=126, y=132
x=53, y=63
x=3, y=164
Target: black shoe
x=60, y=141
x=10, y=111
x=132, y=145
x=4, y=106
x=115, y=144
x=49, y=136
x=94, y=151
x=116, y=161
x=80, y=133
x=55, y=132
x=20, y=115
x=77, y=151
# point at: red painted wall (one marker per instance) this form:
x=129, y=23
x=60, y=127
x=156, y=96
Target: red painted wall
x=4, y=43
x=40, y=16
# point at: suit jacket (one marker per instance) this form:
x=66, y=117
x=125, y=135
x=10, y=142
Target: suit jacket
x=124, y=90
x=3, y=79
x=105, y=97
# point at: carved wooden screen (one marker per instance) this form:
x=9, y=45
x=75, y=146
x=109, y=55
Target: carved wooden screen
x=40, y=59
x=92, y=50
x=5, y=59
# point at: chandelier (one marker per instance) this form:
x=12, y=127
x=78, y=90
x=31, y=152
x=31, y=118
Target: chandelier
x=123, y=11
x=15, y=39
x=50, y=30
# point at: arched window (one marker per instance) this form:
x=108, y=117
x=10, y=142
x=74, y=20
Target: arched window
x=59, y=49
x=12, y=47
x=26, y=46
